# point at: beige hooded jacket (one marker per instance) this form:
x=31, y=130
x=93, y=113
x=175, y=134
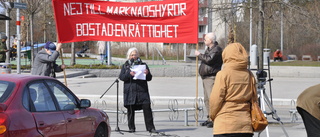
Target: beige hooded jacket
x=231, y=94
x=309, y=100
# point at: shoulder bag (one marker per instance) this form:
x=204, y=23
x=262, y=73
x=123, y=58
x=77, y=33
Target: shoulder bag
x=258, y=120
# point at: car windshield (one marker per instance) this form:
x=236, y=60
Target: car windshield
x=5, y=90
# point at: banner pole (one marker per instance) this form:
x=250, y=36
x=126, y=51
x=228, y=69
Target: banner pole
x=61, y=53
x=62, y=61
x=64, y=70
x=197, y=109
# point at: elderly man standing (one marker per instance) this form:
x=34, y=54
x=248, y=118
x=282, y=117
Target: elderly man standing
x=211, y=62
x=3, y=49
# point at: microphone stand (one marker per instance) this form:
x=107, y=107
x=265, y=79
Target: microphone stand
x=116, y=81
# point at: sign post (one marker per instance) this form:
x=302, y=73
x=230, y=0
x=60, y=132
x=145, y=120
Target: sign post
x=18, y=22
x=18, y=6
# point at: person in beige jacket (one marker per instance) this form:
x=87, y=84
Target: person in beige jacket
x=308, y=106
x=231, y=95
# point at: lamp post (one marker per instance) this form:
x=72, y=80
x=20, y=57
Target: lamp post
x=250, y=23
x=281, y=27
x=281, y=23
x=18, y=41
x=261, y=34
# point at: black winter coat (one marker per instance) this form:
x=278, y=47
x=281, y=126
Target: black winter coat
x=211, y=61
x=135, y=92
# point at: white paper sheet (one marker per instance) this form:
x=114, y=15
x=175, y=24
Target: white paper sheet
x=139, y=70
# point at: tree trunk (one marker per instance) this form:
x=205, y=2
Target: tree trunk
x=147, y=51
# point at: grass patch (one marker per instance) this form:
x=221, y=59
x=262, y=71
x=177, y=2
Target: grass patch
x=22, y=67
x=77, y=58
x=296, y=63
x=155, y=57
x=92, y=66
x=77, y=66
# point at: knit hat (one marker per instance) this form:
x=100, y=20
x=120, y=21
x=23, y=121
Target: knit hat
x=50, y=46
x=4, y=37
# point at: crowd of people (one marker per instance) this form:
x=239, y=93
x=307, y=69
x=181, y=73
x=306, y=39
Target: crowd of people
x=9, y=51
x=228, y=91
x=227, y=86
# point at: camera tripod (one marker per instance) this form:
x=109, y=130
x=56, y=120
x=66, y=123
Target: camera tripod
x=264, y=99
x=116, y=81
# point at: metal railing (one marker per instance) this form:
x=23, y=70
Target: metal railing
x=173, y=111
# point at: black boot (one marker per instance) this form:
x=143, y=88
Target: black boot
x=210, y=124
x=205, y=123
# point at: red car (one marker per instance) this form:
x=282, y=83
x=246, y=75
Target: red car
x=39, y=106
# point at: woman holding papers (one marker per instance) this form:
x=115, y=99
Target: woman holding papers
x=135, y=74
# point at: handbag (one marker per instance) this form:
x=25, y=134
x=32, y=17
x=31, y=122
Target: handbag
x=258, y=120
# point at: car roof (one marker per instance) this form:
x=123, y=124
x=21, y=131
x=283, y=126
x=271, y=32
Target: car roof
x=21, y=77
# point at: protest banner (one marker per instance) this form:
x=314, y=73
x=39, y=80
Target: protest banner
x=169, y=21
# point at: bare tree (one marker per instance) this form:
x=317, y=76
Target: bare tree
x=301, y=23
x=34, y=6
x=229, y=14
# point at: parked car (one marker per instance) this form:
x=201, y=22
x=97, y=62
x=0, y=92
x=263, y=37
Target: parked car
x=39, y=106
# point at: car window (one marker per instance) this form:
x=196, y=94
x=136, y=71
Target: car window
x=25, y=100
x=6, y=89
x=37, y=95
x=65, y=99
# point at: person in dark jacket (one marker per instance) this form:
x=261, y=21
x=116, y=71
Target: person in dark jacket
x=135, y=91
x=3, y=49
x=211, y=62
x=45, y=61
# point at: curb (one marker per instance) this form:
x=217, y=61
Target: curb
x=190, y=71
x=165, y=100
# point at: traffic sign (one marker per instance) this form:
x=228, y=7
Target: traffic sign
x=19, y=5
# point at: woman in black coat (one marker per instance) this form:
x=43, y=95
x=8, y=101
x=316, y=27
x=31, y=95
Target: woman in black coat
x=135, y=91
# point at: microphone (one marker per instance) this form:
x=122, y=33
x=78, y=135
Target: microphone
x=131, y=61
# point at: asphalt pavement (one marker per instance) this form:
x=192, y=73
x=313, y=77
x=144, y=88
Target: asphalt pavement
x=179, y=93
x=174, y=100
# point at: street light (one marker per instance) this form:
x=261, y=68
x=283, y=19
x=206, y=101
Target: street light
x=281, y=23
x=281, y=27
